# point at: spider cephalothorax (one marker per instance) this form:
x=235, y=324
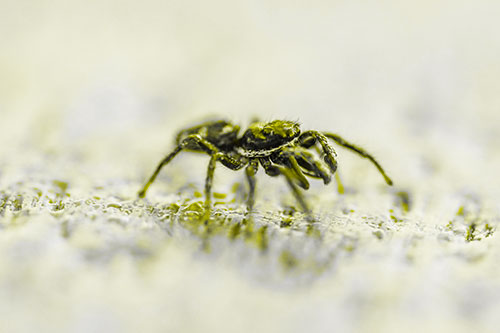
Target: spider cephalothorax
x=260, y=138
x=278, y=146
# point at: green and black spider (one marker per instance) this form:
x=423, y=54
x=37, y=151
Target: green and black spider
x=278, y=146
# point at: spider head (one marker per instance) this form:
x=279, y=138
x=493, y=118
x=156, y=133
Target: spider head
x=269, y=135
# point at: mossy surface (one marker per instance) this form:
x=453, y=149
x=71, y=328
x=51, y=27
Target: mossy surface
x=58, y=234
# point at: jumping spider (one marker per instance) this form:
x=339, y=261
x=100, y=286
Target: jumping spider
x=278, y=146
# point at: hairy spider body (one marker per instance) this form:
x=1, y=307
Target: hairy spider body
x=279, y=146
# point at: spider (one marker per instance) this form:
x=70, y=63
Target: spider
x=279, y=146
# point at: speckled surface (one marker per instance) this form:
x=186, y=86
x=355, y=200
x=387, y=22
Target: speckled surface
x=91, y=98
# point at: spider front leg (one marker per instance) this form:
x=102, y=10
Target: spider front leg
x=303, y=162
x=291, y=178
x=340, y=141
x=310, y=138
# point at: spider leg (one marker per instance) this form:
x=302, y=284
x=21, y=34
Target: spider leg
x=215, y=155
x=250, y=171
x=340, y=186
x=190, y=141
x=165, y=161
x=209, y=179
x=340, y=141
x=330, y=154
x=231, y=162
x=287, y=158
x=275, y=170
x=311, y=165
x=269, y=168
x=296, y=192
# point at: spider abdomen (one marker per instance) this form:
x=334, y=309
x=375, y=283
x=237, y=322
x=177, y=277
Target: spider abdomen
x=220, y=133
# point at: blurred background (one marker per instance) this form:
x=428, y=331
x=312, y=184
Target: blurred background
x=75, y=70
x=124, y=75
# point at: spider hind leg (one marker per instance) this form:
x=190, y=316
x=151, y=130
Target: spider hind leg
x=165, y=161
x=195, y=142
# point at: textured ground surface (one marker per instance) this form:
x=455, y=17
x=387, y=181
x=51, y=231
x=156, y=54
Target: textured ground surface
x=92, y=95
